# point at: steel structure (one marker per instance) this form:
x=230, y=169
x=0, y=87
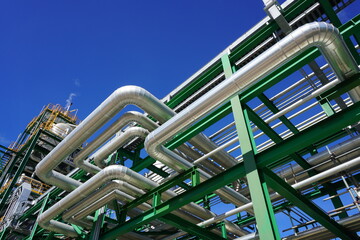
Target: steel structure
x=248, y=147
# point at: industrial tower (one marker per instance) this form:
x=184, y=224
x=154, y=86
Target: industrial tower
x=261, y=143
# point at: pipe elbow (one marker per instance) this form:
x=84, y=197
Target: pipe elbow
x=43, y=173
x=150, y=145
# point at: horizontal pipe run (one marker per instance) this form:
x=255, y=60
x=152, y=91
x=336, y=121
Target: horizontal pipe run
x=322, y=35
x=114, y=172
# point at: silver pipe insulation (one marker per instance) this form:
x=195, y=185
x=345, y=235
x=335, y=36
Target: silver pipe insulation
x=321, y=233
x=100, y=156
x=118, y=195
x=124, y=120
x=116, y=126
x=322, y=35
x=125, y=192
x=103, y=113
x=114, y=172
x=318, y=177
x=338, y=149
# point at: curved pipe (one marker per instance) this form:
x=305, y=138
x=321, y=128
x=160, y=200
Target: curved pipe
x=275, y=196
x=124, y=192
x=119, y=190
x=322, y=35
x=116, y=126
x=99, y=156
x=145, y=122
x=103, y=113
x=114, y=172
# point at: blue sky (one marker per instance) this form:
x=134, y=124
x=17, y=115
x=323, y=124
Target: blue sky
x=50, y=49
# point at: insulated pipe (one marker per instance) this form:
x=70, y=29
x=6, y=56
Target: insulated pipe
x=114, y=172
x=318, y=158
x=99, y=156
x=322, y=35
x=321, y=233
x=77, y=214
x=103, y=113
x=125, y=192
x=124, y=120
x=318, y=177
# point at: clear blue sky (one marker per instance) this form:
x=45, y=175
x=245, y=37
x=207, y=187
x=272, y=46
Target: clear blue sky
x=50, y=49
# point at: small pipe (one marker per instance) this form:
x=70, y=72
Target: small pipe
x=328, y=173
x=323, y=35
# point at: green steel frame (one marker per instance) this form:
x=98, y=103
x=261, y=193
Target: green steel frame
x=256, y=167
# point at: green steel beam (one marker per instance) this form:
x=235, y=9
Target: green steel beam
x=342, y=87
x=280, y=186
x=144, y=163
x=330, y=13
x=326, y=106
x=269, y=104
x=20, y=169
x=246, y=46
x=259, y=122
x=189, y=227
x=188, y=174
x=34, y=228
x=279, y=74
x=312, y=195
x=264, y=213
x=311, y=135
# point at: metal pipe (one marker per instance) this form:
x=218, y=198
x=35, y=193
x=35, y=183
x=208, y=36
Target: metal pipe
x=322, y=35
x=328, y=173
x=352, y=223
x=99, y=156
x=103, y=113
x=125, y=192
x=125, y=119
x=114, y=172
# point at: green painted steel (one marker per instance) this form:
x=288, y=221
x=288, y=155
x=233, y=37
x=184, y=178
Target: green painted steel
x=264, y=213
x=190, y=227
x=269, y=104
x=282, y=152
x=273, y=155
x=280, y=186
x=20, y=169
x=313, y=134
x=34, y=228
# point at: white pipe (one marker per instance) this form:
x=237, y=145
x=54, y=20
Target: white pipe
x=114, y=172
x=328, y=173
x=323, y=35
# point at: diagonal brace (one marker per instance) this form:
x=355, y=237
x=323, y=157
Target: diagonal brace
x=280, y=186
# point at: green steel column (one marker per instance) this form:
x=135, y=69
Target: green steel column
x=98, y=223
x=33, y=230
x=264, y=213
x=190, y=227
x=330, y=13
x=20, y=168
x=285, y=190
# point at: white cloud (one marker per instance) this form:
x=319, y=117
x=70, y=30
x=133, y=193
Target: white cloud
x=77, y=82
